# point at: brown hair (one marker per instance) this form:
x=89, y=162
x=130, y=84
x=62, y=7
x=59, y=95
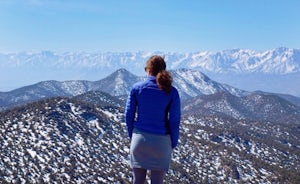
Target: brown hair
x=157, y=67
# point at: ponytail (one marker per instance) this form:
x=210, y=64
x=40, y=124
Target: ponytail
x=157, y=66
x=164, y=81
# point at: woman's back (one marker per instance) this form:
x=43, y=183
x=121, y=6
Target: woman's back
x=152, y=106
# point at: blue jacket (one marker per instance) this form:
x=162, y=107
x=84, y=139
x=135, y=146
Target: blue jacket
x=157, y=112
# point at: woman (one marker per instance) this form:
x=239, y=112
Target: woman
x=152, y=117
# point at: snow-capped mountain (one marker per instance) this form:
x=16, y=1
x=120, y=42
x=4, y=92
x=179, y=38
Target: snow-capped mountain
x=67, y=140
x=41, y=90
x=190, y=83
x=275, y=61
x=238, y=67
x=197, y=91
x=118, y=83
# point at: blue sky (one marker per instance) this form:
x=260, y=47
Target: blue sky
x=153, y=25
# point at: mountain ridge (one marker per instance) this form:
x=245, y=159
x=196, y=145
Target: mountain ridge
x=197, y=91
x=226, y=66
x=277, y=61
x=254, y=106
x=117, y=84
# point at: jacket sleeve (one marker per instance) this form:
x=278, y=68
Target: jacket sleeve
x=174, y=118
x=130, y=111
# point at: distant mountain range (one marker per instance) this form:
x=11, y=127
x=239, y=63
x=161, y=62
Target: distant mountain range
x=197, y=91
x=276, y=70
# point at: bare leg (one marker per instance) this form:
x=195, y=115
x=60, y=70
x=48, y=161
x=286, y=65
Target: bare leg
x=139, y=175
x=157, y=177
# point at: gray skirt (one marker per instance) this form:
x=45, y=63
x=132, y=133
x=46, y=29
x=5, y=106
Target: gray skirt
x=150, y=151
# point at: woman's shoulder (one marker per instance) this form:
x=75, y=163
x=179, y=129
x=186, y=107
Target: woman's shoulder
x=139, y=84
x=174, y=89
x=174, y=92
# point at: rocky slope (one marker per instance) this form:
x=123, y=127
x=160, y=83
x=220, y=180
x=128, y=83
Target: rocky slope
x=84, y=140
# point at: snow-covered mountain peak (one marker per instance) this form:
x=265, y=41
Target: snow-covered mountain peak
x=22, y=68
x=191, y=83
x=270, y=61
